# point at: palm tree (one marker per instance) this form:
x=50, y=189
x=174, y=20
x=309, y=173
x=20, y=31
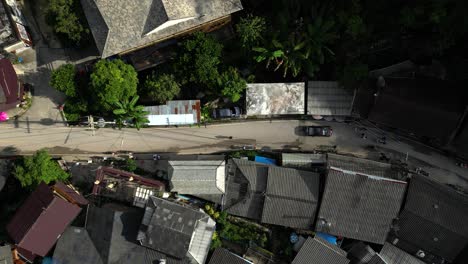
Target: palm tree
x=128, y=110
x=320, y=34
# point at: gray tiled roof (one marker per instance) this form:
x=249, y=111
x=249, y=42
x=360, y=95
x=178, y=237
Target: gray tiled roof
x=361, y=253
x=196, y=177
x=394, y=255
x=122, y=25
x=246, y=181
x=2, y=181
x=224, y=256
x=434, y=219
x=359, y=206
x=318, y=251
x=328, y=98
x=269, y=194
x=109, y=238
x=176, y=230
x=5, y=255
x=363, y=166
x=377, y=259
x=291, y=197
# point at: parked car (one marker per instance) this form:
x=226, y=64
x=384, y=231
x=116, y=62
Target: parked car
x=318, y=131
x=226, y=112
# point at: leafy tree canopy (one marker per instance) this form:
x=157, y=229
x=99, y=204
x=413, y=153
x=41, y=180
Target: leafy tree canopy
x=199, y=59
x=162, y=88
x=65, y=19
x=63, y=79
x=112, y=82
x=232, y=84
x=40, y=167
x=250, y=30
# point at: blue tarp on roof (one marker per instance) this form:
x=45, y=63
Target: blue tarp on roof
x=264, y=160
x=329, y=238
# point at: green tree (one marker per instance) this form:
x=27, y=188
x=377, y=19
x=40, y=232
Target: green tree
x=129, y=111
x=162, y=88
x=63, y=79
x=65, y=20
x=112, y=82
x=320, y=34
x=250, y=30
x=353, y=74
x=269, y=55
x=199, y=59
x=232, y=84
x=40, y=167
x=74, y=107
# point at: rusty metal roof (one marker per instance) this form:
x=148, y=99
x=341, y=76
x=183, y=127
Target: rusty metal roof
x=177, y=107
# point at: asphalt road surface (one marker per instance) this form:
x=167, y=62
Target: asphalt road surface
x=26, y=137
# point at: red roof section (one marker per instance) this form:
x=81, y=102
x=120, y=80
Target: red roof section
x=27, y=214
x=70, y=194
x=39, y=222
x=119, y=174
x=9, y=81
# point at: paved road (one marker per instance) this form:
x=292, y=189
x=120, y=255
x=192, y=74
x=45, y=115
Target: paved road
x=25, y=136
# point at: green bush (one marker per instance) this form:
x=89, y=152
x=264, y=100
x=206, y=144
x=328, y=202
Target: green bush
x=63, y=79
x=66, y=17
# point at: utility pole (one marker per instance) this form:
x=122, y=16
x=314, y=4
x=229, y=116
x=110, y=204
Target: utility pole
x=91, y=123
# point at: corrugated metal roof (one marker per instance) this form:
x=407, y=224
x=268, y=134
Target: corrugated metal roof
x=363, y=166
x=318, y=251
x=328, y=99
x=29, y=211
x=9, y=84
x=197, y=177
x=40, y=221
x=275, y=99
x=302, y=159
x=224, y=256
x=176, y=107
x=433, y=219
x=393, y=255
x=291, y=198
x=359, y=207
